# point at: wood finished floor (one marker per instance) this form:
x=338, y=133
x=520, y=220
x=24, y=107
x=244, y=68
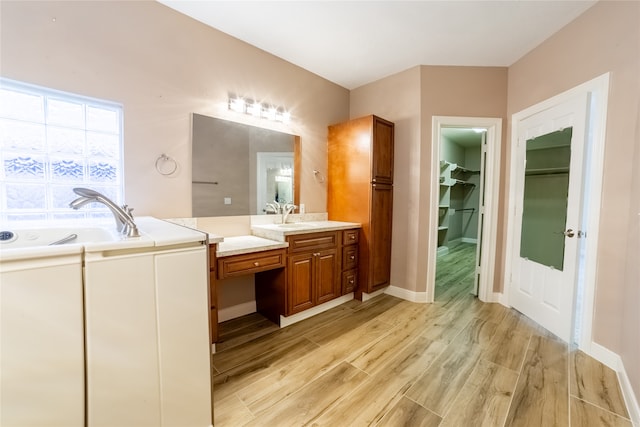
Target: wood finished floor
x=390, y=362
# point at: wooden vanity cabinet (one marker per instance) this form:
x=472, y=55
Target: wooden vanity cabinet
x=320, y=267
x=213, y=299
x=312, y=270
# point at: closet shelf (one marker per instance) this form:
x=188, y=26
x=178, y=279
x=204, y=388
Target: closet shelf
x=546, y=171
x=461, y=182
x=456, y=168
x=442, y=228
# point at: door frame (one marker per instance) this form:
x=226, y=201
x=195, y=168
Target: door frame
x=491, y=192
x=597, y=90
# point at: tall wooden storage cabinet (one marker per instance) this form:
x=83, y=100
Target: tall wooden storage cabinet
x=360, y=189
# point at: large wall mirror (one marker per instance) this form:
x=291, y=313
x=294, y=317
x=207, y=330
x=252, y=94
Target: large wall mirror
x=237, y=168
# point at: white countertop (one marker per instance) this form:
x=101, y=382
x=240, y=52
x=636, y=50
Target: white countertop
x=279, y=232
x=246, y=244
x=214, y=238
x=90, y=237
x=265, y=234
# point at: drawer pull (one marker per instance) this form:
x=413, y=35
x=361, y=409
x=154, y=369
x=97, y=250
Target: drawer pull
x=351, y=282
x=352, y=237
x=352, y=257
x=257, y=264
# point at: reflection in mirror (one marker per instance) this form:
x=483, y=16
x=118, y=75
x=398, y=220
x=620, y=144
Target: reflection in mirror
x=237, y=169
x=546, y=189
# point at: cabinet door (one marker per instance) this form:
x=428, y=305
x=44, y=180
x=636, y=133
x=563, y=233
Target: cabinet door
x=380, y=244
x=382, y=152
x=326, y=275
x=300, y=283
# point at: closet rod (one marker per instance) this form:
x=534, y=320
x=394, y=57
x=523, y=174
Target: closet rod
x=466, y=209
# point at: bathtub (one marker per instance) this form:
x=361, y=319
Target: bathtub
x=66, y=309
x=37, y=242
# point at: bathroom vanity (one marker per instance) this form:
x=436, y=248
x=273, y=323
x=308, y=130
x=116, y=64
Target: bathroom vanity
x=300, y=269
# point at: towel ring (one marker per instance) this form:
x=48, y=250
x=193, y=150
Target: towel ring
x=166, y=159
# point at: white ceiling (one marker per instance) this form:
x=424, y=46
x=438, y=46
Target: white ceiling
x=352, y=43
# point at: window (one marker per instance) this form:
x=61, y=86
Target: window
x=51, y=142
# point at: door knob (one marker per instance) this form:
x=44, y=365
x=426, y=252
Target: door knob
x=569, y=233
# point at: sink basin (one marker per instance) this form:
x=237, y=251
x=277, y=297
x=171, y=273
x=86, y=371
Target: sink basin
x=295, y=225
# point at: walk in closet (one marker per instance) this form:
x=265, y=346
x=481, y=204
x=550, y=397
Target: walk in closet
x=460, y=190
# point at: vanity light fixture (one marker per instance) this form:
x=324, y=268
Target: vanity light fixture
x=238, y=105
x=256, y=109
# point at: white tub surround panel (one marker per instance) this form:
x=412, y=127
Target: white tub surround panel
x=147, y=330
x=42, y=340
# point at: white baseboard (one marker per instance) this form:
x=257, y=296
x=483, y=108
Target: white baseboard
x=614, y=361
x=629, y=396
x=470, y=240
x=367, y=297
x=604, y=356
x=405, y=294
x=234, y=311
x=290, y=320
x=501, y=297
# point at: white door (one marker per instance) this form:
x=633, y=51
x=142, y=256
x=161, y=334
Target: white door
x=481, y=205
x=274, y=176
x=548, y=213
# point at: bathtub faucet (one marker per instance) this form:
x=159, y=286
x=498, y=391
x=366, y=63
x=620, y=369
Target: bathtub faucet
x=122, y=215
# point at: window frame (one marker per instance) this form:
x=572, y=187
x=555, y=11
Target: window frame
x=51, y=212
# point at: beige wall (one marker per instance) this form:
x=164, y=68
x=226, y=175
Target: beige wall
x=410, y=99
x=606, y=38
x=162, y=66
x=397, y=98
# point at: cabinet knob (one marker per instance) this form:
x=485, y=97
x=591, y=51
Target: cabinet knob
x=352, y=257
x=257, y=264
x=351, y=282
x=316, y=254
x=352, y=237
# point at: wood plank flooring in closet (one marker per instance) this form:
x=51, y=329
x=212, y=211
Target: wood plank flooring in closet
x=390, y=362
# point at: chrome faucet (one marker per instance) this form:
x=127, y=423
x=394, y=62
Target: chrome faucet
x=287, y=209
x=273, y=208
x=123, y=216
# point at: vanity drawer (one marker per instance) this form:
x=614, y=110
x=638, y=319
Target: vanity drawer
x=349, y=281
x=350, y=237
x=238, y=265
x=349, y=257
x=312, y=241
